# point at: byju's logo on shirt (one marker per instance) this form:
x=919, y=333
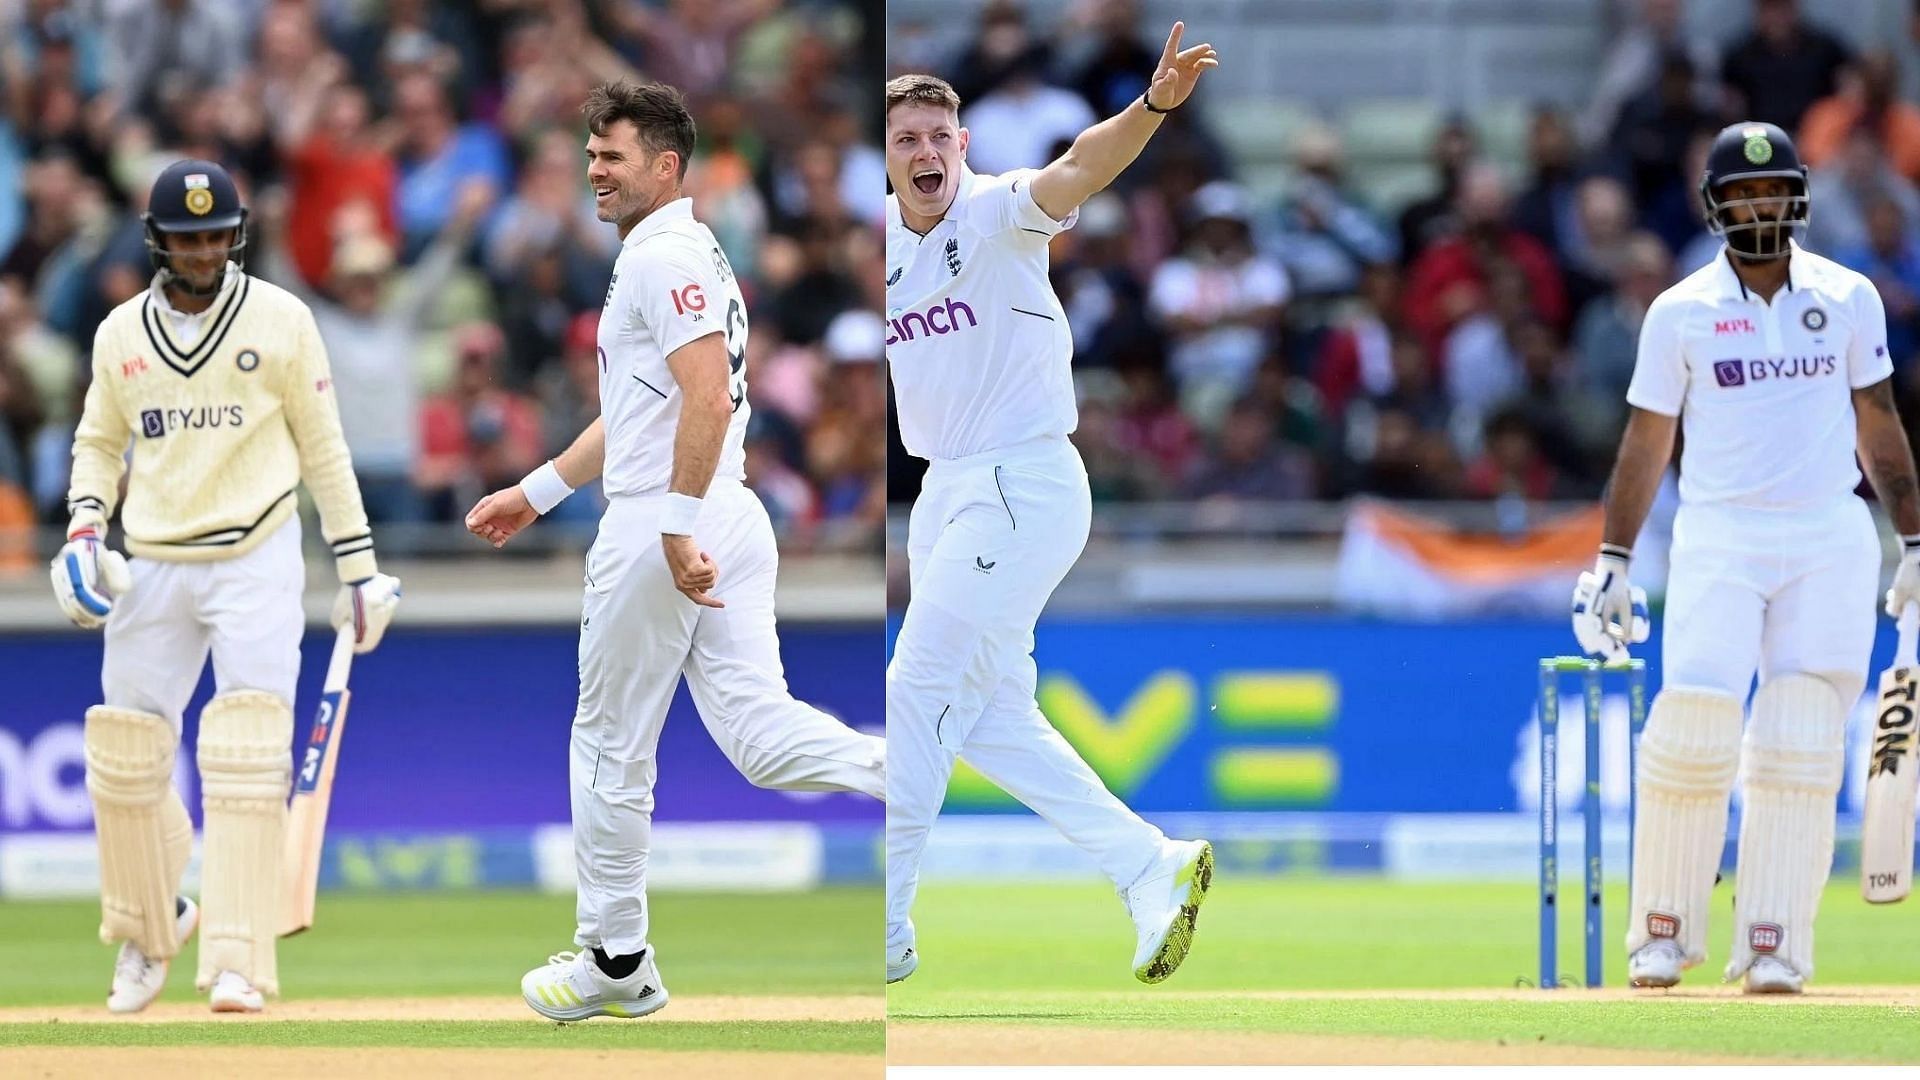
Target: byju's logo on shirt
x=940, y=318
x=157, y=422
x=1741, y=372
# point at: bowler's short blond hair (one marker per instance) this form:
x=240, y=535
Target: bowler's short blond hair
x=920, y=90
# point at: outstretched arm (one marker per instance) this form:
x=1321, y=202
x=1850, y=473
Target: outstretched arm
x=1102, y=151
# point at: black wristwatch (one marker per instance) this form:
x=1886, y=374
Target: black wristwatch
x=1148, y=102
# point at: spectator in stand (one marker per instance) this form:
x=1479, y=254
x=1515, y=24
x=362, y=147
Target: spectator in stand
x=1326, y=237
x=1782, y=66
x=1700, y=246
x=371, y=321
x=1114, y=472
x=437, y=156
x=477, y=437
x=1632, y=66
x=1020, y=122
x=164, y=48
x=1001, y=46
x=1117, y=64
x=1153, y=426
x=1546, y=210
x=1651, y=141
x=1249, y=464
x=1105, y=301
x=1221, y=302
x=1356, y=355
x=1480, y=359
x=1571, y=426
x=1603, y=223
x=1867, y=99
x=1845, y=186
x=1890, y=258
x=1450, y=280
x=1607, y=335
x=334, y=161
x=1433, y=219
x=1512, y=463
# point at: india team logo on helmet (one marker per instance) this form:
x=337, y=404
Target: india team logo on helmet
x=1755, y=226
x=1758, y=150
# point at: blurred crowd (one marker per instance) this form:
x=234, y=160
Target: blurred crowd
x=1474, y=343
x=415, y=170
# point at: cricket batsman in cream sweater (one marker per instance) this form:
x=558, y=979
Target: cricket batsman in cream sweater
x=220, y=383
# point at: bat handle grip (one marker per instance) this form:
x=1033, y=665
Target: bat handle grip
x=1909, y=627
x=341, y=661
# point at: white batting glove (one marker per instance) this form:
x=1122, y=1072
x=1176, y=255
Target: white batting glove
x=367, y=606
x=1906, y=579
x=88, y=576
x=1609, y=612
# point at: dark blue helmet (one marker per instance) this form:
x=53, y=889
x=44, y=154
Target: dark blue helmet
x=1755, y=151
x=193, y=196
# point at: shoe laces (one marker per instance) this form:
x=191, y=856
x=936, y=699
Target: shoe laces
x=563, y=959
x=132, y=963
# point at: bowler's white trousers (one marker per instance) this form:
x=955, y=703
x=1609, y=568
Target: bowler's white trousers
x=990, y=538
x=244, y=610
x=638, y=635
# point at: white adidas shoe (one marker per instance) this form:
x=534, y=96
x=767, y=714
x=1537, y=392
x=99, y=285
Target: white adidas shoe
x=1656, y=965
x=1772, y=975
x=137, y=980
x=1165, y=903
x=233, y=993
x=572, y=987
x=901, y=962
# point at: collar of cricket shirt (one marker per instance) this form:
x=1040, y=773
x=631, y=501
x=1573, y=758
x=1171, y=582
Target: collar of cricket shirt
x=680, y=209
x=1732, y=288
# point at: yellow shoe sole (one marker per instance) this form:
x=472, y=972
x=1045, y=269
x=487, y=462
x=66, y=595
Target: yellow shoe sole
x=1198, y=875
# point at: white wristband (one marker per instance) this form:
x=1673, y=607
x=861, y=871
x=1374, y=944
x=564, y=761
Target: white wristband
x=544, y=489
x=678, y=512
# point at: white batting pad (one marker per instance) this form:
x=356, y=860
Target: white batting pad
x=1793, y=760
x=1689, y=755
x=245, y=754
x=130, y=778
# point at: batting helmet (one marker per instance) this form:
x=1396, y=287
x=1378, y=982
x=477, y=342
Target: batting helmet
x=193, y=196
x=1755, y=151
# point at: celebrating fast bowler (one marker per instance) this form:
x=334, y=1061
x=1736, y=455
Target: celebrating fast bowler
x=981, y=361
x=220, y=382
x=1773, y=363
x=680, y=578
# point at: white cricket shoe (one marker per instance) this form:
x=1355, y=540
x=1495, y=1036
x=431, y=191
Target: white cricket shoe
x=572, y=987
x=138, y=980
x=901, y=962
x=233, y=993
x=1165, y=902
x=1657, y=964
x=1772, y=975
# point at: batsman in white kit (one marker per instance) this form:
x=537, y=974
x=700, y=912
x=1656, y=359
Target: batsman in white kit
x=220, y=382
x=1772, y=363
x=981, y=362
x=680, y=579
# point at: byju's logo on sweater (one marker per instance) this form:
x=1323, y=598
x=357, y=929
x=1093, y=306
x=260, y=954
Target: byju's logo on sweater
x=155, y=423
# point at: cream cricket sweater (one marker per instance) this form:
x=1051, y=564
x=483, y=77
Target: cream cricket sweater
x=224, y=427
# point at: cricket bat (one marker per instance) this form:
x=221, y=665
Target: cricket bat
x=312, y=791
x=1886, y=827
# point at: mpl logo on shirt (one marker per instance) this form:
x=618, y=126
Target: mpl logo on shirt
x=1731, y=373
x=941, y=317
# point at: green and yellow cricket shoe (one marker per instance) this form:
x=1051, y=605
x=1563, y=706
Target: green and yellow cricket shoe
x=572, y=987
x=1165, y=904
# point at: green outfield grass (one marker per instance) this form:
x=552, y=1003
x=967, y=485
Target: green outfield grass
x=479, y=944
x=1060, y=954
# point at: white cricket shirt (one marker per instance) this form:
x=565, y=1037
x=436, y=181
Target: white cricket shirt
x=1763, y=391
x=671, y=285
x=977, y=343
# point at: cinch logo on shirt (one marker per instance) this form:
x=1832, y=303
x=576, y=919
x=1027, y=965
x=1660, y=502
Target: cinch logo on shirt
x=1742, y=372
x=157, y=422
x=937, y=319
x=1732, y=326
